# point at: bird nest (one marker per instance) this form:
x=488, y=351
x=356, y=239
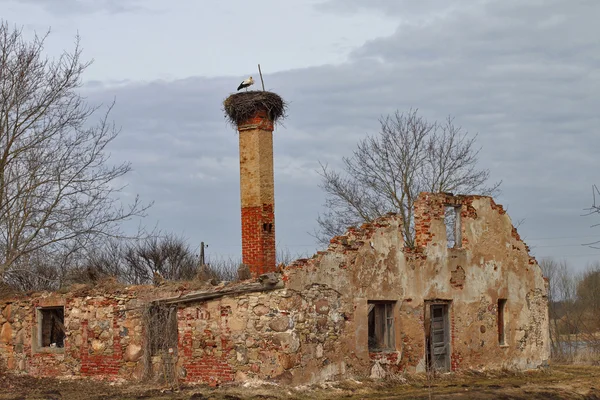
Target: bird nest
x=240, y=107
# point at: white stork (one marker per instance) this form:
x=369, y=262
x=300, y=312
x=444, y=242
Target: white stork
x=245, y=83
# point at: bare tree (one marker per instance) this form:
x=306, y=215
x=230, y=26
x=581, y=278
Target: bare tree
x=573, y=302
x=387, y=172
x=58, y=192
x=594, y=209
x=588, y=296
x=561, y=307
x=169, y=255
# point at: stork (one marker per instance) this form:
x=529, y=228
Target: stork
x=245, y=83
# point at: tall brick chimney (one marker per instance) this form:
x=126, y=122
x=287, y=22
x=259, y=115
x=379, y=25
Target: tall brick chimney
x=254, y=114
x=257, y=193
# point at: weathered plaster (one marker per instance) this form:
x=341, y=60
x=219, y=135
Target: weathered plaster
x=315, y=328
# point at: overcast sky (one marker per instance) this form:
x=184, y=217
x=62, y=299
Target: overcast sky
x=522, y=74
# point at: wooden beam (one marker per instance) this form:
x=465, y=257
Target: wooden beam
x=233, y=291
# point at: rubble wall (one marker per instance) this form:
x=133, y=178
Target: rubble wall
x=104, y=336
x=316, y=327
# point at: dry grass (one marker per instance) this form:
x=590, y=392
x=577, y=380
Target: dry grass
x=558, y=382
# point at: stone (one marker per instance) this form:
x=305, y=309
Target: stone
x=6, y=333
x=291, y=302
x=280, y=324
x=74, y=325
x=237, y=324
x=20, y=337
x=74, y=312
x=250, y=342
x=261, y=309
x=285, y=378
x=322, y=322
x=289, y=342
x=322, y=306
x=241, y=354
x=133, y=352
x=319, y=352
x=98, y=346
x=377, y=371
x=6, y=313
x=240, y=377
x=259, y=325
x=287, y=361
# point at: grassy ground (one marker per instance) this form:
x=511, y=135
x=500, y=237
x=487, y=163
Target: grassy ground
x=558, y=382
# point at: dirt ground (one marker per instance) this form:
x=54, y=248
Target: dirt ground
x=557, y=382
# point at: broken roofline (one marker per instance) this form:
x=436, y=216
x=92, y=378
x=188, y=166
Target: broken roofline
x=355, y=237
x=352, y=239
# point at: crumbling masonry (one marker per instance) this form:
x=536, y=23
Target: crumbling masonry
x=468, y=295
x=365, y=306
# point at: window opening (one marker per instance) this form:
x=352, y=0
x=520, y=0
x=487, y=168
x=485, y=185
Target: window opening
x=267, y=227
x=452, y=222
x=51, y=327
x=501, y=334
x=381, y=326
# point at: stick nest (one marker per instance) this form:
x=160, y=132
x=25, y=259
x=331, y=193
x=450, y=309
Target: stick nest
x=239, y=107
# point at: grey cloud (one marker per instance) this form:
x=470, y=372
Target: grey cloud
x=405, y=8
x=524, y=77
x=84, y=6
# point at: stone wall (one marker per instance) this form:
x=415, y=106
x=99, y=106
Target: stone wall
x=103, y=335
x=317, y=327
x=264, y=336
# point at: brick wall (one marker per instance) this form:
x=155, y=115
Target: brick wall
x=257, y=193
x=258, y=238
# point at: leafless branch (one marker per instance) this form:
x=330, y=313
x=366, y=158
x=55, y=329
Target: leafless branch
x=387, y=172
x=57, y=188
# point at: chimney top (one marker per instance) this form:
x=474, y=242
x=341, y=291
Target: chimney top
x=242, y=106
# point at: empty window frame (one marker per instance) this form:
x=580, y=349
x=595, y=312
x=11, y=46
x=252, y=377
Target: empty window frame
x=381, y=326
x=267, y=227
x=452, y=222
x=501, y=322
x=51, y=327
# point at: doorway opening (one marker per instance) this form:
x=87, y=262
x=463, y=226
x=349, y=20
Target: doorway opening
x=437, y=335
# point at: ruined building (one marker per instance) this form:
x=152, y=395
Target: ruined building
x=468, y=295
